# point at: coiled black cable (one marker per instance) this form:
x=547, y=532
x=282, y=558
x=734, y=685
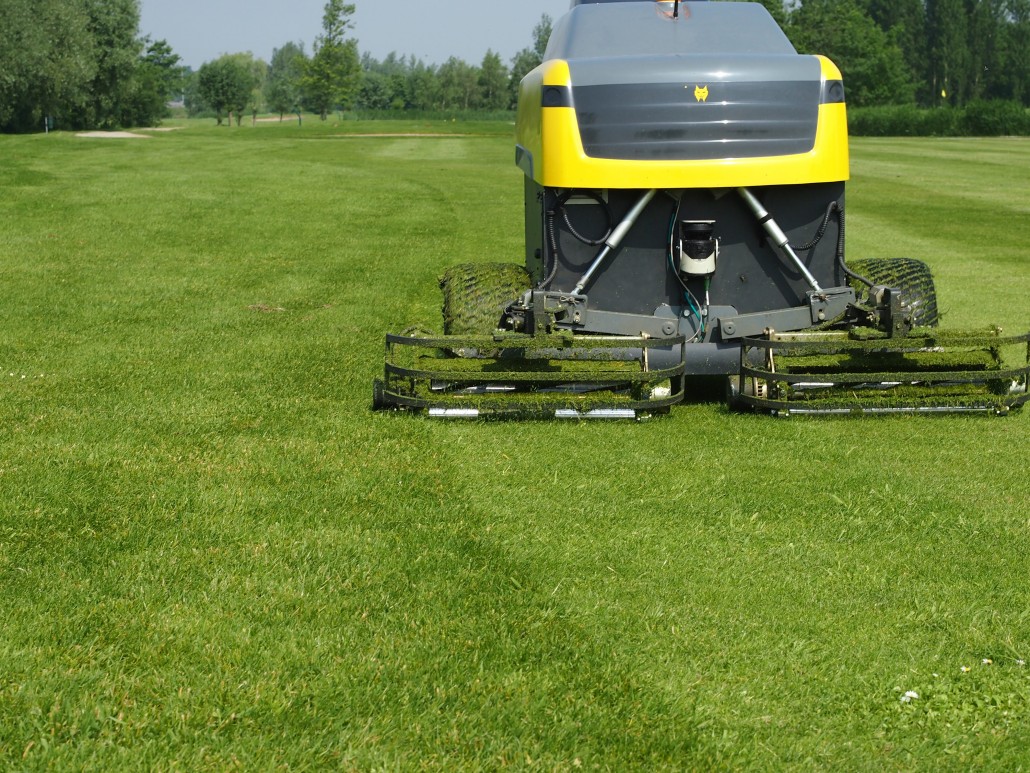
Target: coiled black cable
x=552, y=234
x=830, y=209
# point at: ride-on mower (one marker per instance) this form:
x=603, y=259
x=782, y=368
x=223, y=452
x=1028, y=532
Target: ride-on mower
x=684, y=218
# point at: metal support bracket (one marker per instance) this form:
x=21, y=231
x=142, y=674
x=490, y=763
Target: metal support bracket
x=823, y=306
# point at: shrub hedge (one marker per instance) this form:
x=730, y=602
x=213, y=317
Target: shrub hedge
x=994, y=118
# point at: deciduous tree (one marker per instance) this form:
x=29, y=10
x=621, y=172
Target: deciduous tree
x=283, y=87
x=114, y=26
x=78, y=61
x=904, y=21
x=158, y=78
x=1016, y=51
x=493, y=82
x=164, y=62
x=334, y=71
x=947, y=55
x=46, y=61
x=225, y=85
x=872, y=65
x=459, y=84
x=529, y=58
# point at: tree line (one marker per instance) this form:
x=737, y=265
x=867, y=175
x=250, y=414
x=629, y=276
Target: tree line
x=234, y=84
x=84, y=64
x=925, y=53
x=335, y=77
x=929, y=53
x=406, y=83
x=81, y=64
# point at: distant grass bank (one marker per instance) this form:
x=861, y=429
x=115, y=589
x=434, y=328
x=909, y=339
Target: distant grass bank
x=214, y=556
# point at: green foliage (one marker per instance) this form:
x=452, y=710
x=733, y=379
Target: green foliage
x=406, y=83
x=397, y=83
x=258, y=78
x=158, y=79
x=456, y=85
x=162, y=64
x=777, y=9
x=904, y=22
x=459, y=84
x=1015, y=59
x=376, y=93
x=948, y=56
x=226, y=84
x=872, y=65
x=113, y=26
x=903, y=121
x=192, y=99
x=991, y=118
x=995, y=118
x=493, y=83
x=282, y=90
x=47, y=61
x=333, y=73
x=953, y=51
x=81, y=63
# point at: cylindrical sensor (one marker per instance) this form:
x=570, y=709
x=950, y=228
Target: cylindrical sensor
x=698, y=248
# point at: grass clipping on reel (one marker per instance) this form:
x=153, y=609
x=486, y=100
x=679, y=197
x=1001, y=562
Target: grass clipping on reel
x=475, y=295
x=942, y=353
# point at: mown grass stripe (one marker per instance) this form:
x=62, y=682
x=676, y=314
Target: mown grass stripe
x=214, y=555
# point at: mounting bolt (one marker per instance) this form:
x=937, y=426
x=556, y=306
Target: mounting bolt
x=668, y=328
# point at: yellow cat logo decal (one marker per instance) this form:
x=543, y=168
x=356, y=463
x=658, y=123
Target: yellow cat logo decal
x=700, y=94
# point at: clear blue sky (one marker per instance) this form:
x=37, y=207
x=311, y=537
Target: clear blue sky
x=201, y=30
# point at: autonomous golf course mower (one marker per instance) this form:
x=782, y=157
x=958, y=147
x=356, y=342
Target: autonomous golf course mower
x=685, y=176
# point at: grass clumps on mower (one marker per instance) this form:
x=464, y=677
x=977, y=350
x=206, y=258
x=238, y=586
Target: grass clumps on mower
x=476, y=294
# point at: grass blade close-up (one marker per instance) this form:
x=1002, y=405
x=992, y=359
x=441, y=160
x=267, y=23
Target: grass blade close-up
x=215, y=555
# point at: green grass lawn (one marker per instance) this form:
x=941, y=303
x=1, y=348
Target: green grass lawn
x=213, y=555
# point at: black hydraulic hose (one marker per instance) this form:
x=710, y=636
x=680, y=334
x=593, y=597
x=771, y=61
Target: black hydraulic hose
x=552, y=243
x=572, y=230
x=552, y=235
x=830, y=209
x=840, y=254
